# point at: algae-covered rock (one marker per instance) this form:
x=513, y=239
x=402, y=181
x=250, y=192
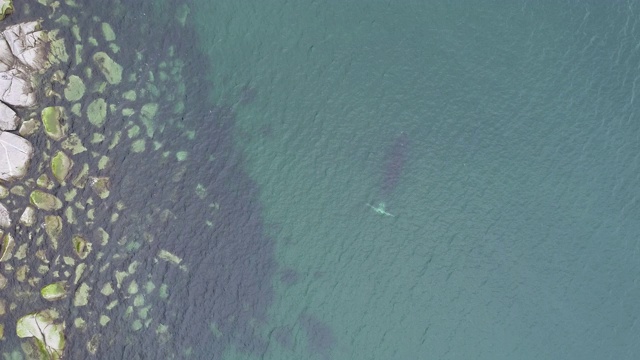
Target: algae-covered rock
x=6, y=8
x=42, y=327
x=75, y=89
x=45, y=201
x=53, y=228
x=60, y=166
x=100, y=186
x=52, y=118
x=81, y=246
x=15, y=154
x=29, y=127
x=97, y=112
x=54, y=291
x=6, y=247
x=111, y=70
x=73, y=144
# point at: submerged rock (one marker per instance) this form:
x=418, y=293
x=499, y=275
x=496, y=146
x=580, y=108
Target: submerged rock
x=75, y=89
x=54, y=291
x=60, y=166
x=45, y=201
x=111, y=70
x=52, y=120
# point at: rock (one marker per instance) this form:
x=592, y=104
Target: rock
x=23, y=51
x=6, y=247
x=7, y=60
x=81, y=246
x=15, y=90
x=29, y=127
x=28, y=217
x=54, y=291
x=15, y=154
x=8, y=118
x=45, y=201
x=75, y=89
x=111, y=70
x=97, y=112
x=27, y=44
x=48, y=335
x=6, y=8
x=107, y=31
x=5, y=218
x=60, y=166
x=51, y=118
x=53, y=227
x=81, y=297
x=100, y=186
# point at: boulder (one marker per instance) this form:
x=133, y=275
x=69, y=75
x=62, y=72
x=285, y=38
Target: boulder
x=16, y=89
x=15, y=154
x=8, y=118
x=23, y=52
x=27, y=43
x=43, y=328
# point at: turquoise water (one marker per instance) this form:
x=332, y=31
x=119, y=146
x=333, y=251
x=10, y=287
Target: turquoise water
x=516, y=210
x=339, y=180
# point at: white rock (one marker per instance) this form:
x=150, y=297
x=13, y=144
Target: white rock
x=6, y=56
x=27, y=44
x=5, y=219
x=23, y=51
x=28, y=217
x=15, y=90
x=8, y=118
x=15, y=154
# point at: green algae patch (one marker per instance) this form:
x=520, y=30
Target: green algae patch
x=75, y=89
x=45, y=201
x=52, y=117
x=111, y=70
x=60, y=166
x=46, y=333
x=54, y=291
x=97, y=112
